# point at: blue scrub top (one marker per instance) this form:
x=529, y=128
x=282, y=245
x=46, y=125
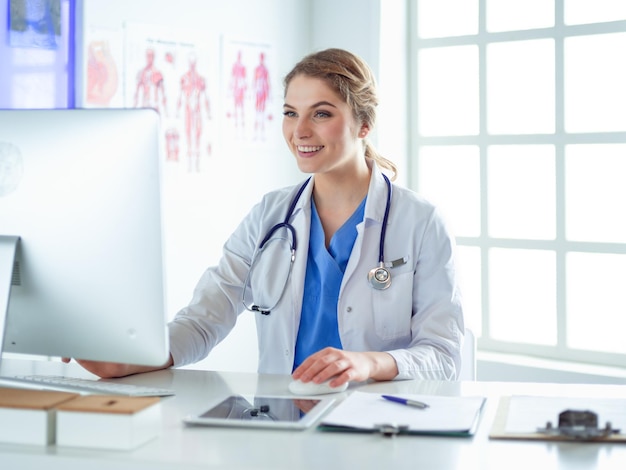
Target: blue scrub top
x=324, y=273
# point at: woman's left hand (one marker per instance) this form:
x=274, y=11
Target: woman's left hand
x=346, y=366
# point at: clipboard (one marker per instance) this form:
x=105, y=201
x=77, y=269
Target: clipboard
x=369, y=412
x=535, y=418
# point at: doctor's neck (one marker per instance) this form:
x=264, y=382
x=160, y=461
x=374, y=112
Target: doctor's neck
x=350, y=186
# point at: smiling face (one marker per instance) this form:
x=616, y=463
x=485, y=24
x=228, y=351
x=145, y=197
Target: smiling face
x=320, y=128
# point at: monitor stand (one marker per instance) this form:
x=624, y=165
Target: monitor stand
x=8, y=251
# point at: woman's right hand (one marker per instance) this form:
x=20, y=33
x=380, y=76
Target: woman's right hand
x=108, y=370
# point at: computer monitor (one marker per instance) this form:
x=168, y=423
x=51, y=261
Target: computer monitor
x=80, y=200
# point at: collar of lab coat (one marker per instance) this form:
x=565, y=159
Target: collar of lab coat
x=376, y=196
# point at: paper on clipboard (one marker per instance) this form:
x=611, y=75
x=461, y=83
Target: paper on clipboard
x=520, y=416
x=362, y=411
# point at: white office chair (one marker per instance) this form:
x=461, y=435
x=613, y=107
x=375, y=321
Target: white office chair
x=468, y=357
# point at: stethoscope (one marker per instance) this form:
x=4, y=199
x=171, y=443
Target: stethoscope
x=379, y=277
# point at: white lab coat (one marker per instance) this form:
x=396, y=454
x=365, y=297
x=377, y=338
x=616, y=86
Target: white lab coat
x=418, y=319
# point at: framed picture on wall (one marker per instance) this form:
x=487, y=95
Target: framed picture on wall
x=35, y=24
x=174, y=73
x=100, y=81
x=249, y=93
x=36, y=54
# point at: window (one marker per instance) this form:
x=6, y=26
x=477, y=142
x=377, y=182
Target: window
x=519, y=121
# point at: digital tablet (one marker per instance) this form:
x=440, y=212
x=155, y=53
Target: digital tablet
x=263, y=412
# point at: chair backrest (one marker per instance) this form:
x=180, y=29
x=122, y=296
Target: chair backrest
x=468, y=356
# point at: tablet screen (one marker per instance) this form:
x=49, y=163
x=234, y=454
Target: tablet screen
x=263, y=411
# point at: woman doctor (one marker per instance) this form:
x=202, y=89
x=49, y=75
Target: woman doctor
x=349, y=276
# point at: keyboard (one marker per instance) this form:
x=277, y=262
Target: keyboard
x=82, y=385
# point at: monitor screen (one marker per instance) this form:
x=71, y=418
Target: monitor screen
x=81, y=190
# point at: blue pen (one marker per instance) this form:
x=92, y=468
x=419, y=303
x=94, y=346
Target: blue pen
x=406, y=401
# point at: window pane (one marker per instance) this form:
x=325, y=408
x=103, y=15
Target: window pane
x=469, y=270
x=34, y=90
x=520, y=87
x=36, y=85
x=596, y=306
x=596, y=11
x=522, y=296
x=595, y=192
x=447, y=84
x=449, y=177
x=511, y=15
x=595, y=74
x=522, y=191
x=440, y=18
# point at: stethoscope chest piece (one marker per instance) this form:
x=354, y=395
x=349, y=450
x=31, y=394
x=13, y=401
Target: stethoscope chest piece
x=379, y=277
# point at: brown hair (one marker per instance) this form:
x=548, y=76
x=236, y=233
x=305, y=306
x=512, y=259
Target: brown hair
x=354, y=81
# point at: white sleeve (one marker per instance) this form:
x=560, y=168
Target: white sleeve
x=437, y=324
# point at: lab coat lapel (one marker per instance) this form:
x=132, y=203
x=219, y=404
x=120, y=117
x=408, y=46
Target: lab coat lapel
x=301, y=221
x=366, y=245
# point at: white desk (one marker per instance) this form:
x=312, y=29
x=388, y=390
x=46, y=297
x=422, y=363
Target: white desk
x=181, y=447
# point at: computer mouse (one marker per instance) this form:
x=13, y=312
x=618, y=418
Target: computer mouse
x=298, y=387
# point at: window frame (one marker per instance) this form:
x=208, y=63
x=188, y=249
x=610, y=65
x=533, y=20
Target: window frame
x=560, y=246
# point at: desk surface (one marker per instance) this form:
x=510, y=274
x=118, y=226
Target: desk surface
x=210, y=448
